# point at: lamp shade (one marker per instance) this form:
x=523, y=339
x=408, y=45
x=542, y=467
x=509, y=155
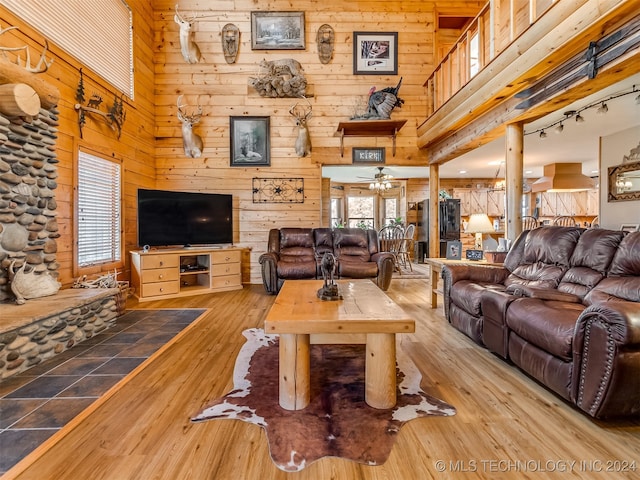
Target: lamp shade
x=480, y=223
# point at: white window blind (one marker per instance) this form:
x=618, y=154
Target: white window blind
x=99, y=219
x=98, y=33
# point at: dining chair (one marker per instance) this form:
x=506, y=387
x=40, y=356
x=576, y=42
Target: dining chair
x=564, y=221
x=391, y=238
x=404, y=256
x=529, y=222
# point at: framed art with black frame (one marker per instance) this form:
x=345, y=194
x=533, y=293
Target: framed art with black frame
x=375, y=53
x=277, y=31
x=250, y=141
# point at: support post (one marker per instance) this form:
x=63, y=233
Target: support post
x=514, y=161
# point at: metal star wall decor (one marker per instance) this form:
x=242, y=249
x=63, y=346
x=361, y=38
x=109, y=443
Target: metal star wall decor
x=278, y=190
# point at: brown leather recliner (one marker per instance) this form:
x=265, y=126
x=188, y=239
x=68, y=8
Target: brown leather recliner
x=295, y=253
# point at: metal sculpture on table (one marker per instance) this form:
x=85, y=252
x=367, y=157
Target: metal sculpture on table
x=329, y=290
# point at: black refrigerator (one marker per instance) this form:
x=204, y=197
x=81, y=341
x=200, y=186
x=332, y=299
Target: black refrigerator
x=449, y=210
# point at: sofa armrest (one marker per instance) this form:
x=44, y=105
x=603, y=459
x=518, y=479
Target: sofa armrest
x=475, y=273
x=606, y=360
x=268, y=266
x=386, y=265
x=543, y=293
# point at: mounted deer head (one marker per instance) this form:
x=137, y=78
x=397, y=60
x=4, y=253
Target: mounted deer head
x=188, y=47
x=302, y=114
x=192, y=143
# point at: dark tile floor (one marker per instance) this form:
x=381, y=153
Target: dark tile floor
x=38, y=402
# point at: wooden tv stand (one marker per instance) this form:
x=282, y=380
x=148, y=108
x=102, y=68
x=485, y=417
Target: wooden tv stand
x=170, y=273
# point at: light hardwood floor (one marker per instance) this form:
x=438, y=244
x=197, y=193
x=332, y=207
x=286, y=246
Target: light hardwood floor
x=507, y=426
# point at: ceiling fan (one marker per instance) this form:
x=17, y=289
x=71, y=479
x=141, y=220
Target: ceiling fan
x=380, y=181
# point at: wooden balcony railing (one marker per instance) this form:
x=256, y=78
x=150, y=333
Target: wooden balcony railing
x=497, y=26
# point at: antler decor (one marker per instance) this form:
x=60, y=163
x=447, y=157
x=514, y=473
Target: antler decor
x=14, y=72
x=114, y=116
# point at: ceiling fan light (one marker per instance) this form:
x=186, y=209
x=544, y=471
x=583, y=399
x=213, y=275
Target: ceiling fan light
x=371, y=186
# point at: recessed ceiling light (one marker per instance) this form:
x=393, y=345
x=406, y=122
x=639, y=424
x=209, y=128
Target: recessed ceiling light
x=528, y=171
x=496, y=162
x=462, y=171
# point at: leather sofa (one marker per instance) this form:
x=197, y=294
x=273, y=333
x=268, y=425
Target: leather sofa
x=295, y=253
x=564, y=308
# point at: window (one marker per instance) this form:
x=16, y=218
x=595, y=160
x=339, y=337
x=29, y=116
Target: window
x=390, y=210
x=361, y=211
x=336, y=212
x=474, y=54
x=99, y=33
x=98, y=215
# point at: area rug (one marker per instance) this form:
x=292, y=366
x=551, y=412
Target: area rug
x=337, y=422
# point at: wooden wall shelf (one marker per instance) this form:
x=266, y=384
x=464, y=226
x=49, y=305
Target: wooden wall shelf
x=369, y=128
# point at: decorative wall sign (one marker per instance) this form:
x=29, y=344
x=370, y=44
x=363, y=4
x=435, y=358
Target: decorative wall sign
x=277, y=31
x=278, y=190
x=250, y=142
x=368, y=155
x=375, y=53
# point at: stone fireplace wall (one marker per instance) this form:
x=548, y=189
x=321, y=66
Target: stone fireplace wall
x=28, y=172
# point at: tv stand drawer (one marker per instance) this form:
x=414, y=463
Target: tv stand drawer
x=160, y=288
x=160, y=261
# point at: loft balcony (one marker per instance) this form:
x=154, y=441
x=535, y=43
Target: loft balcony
x=519, y=60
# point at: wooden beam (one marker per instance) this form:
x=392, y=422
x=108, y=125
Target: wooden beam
x=491, y=125
x=558, y=36
x=434, y=215
x=12, y=73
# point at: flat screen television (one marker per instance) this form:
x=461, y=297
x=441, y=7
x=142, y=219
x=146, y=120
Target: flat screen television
x=168, y=218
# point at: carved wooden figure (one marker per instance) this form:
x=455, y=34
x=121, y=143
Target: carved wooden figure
x=188, y=47
x=325, y=39
x=230, y=42
x=192, y=142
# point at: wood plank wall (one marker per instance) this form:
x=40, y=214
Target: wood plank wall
x=223, y=92
x=150, y=147
x=136, y=147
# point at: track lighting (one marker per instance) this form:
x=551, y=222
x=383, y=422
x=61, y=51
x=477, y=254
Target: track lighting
x=600, y=106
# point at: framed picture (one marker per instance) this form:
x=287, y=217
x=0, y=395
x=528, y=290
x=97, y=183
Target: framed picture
x=629, y=227
x=375, y=53
x=368, y=155
x=454, y=250
x=250, y=142
x=277, y=31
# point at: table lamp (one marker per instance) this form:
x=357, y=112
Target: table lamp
x=479, y=223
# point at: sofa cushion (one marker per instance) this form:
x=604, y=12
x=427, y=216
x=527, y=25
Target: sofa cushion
x=590, y=260
x=323, y=241
x=466, y=294
x=351, y=242
x=546, y=256
x=357, y=269
x=626, y=261
x=296, y=269
x=548, y=324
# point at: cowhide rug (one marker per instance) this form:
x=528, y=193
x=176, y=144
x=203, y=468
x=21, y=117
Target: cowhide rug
x=337, y=422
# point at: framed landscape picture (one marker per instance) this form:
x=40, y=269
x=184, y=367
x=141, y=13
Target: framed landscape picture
x=375, y=53
x=277, y=31
x=250, y=142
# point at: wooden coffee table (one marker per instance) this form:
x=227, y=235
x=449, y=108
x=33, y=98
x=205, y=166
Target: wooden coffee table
x=364, y=315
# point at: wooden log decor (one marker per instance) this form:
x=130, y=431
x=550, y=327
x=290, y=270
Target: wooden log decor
x=12, y=73
x=18, y=100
